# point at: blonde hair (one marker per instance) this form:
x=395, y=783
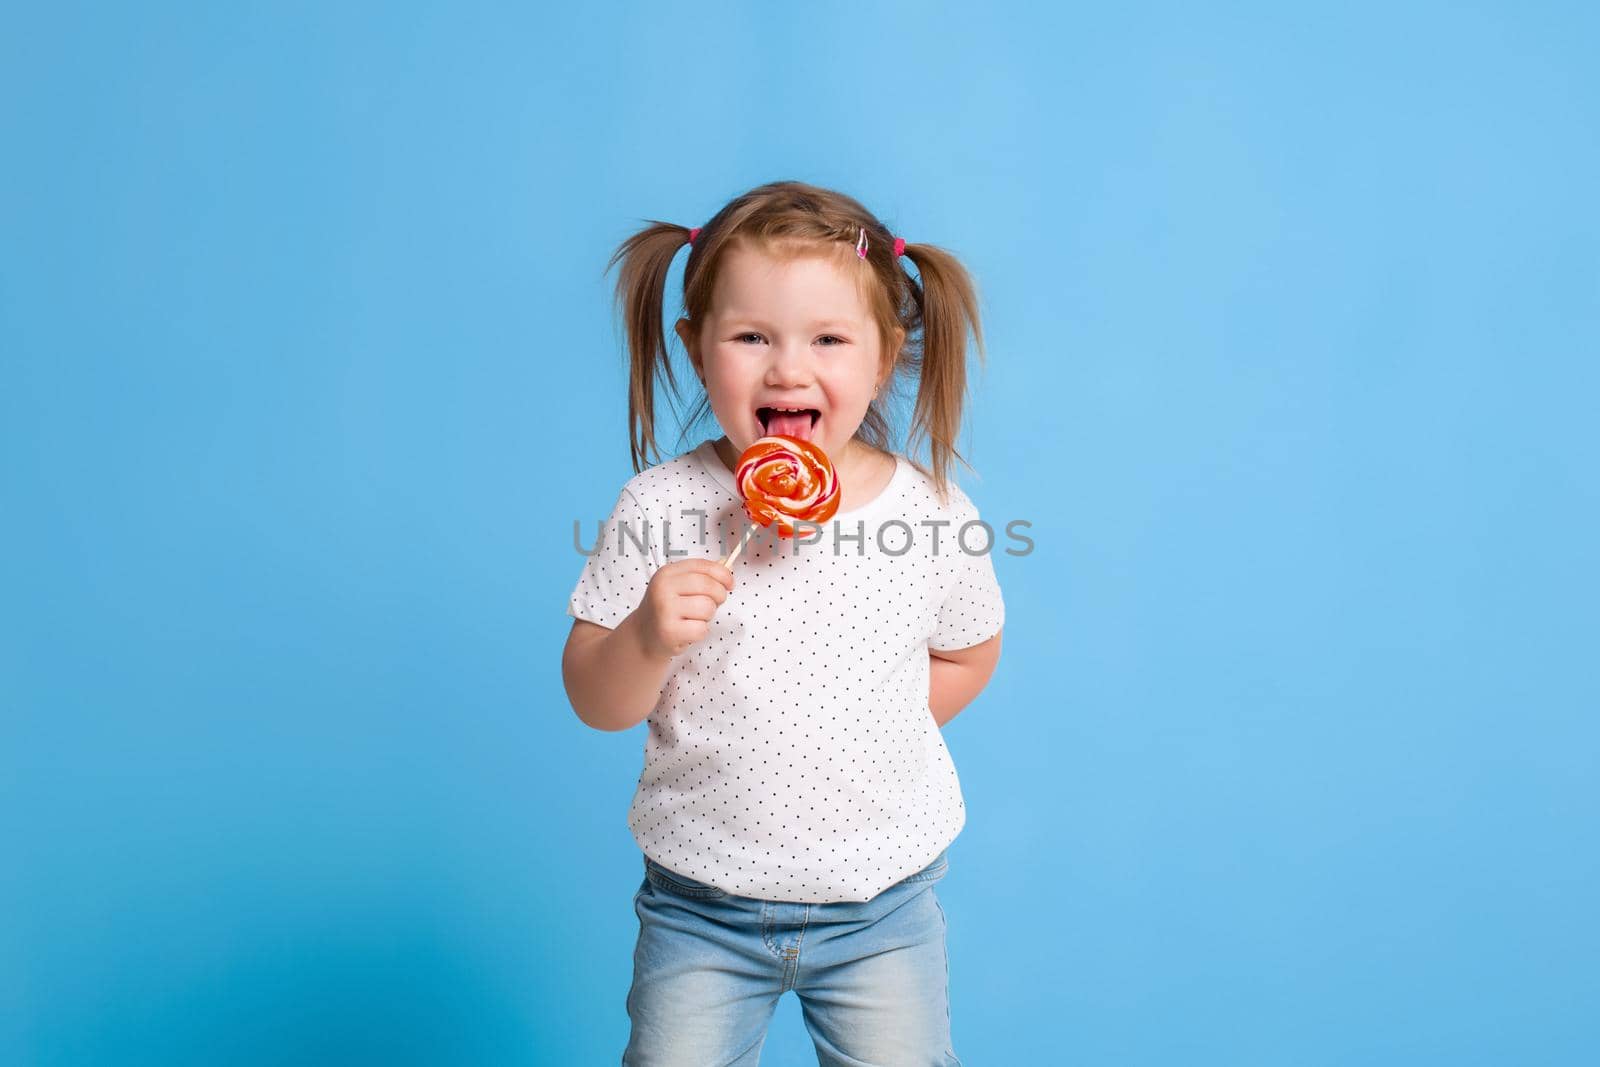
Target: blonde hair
x=788, y=219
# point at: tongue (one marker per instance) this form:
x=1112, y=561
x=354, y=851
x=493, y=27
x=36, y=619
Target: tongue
x=791, y=425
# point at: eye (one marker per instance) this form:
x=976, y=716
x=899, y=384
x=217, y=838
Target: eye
x=741, y=338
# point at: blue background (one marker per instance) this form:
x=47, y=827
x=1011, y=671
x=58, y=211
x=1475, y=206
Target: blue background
x=309, y=366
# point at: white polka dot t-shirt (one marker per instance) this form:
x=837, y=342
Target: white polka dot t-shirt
x=791, y=755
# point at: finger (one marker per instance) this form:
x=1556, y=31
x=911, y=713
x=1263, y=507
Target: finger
x=704, y=583
x=697, y=606
x=715, y=569
x=696, y=582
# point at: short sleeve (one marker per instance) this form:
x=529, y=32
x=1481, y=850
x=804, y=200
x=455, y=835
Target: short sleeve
x=618, y=569
x=973, y=610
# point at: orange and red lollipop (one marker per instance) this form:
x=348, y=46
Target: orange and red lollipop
x=785, y=480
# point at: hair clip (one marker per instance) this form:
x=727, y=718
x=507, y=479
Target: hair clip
x=861, y=245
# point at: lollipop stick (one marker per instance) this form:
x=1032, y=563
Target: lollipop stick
x=743, y=537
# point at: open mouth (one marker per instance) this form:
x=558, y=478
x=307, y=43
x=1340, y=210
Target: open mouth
x=793, y=422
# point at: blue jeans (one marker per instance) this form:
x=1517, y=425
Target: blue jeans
x=872, y=976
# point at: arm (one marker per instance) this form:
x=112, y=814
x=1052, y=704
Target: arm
x=612, y=680
x=613, y=677
x=956, y=676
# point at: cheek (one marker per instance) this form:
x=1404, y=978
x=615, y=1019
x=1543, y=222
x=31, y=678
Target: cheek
x=729, y=375
x=853, y=387
x=726, y=386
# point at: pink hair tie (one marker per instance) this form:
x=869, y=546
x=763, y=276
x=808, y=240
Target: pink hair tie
x=899, y=246
x=693, y=234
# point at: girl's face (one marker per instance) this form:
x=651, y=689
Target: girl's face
x=786, y=334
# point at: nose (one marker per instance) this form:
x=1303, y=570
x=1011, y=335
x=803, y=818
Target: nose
x=789, y=365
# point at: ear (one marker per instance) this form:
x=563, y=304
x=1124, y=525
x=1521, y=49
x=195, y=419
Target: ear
x=687, y=334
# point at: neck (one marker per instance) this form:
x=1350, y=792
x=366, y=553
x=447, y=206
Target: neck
x=857, y=456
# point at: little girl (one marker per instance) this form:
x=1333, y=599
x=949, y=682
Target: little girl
x=797, y=798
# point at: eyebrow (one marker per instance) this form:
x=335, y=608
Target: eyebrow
x=816, y=324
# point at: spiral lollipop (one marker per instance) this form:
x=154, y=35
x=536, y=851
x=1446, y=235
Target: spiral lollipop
x=785, y=480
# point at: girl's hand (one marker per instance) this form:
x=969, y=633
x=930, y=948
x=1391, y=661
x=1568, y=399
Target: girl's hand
x=678, y=605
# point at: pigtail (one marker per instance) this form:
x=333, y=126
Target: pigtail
x=646, y=258
x=946, y=310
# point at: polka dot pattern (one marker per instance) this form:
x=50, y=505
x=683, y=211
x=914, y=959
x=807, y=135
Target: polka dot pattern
x=791, y=755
